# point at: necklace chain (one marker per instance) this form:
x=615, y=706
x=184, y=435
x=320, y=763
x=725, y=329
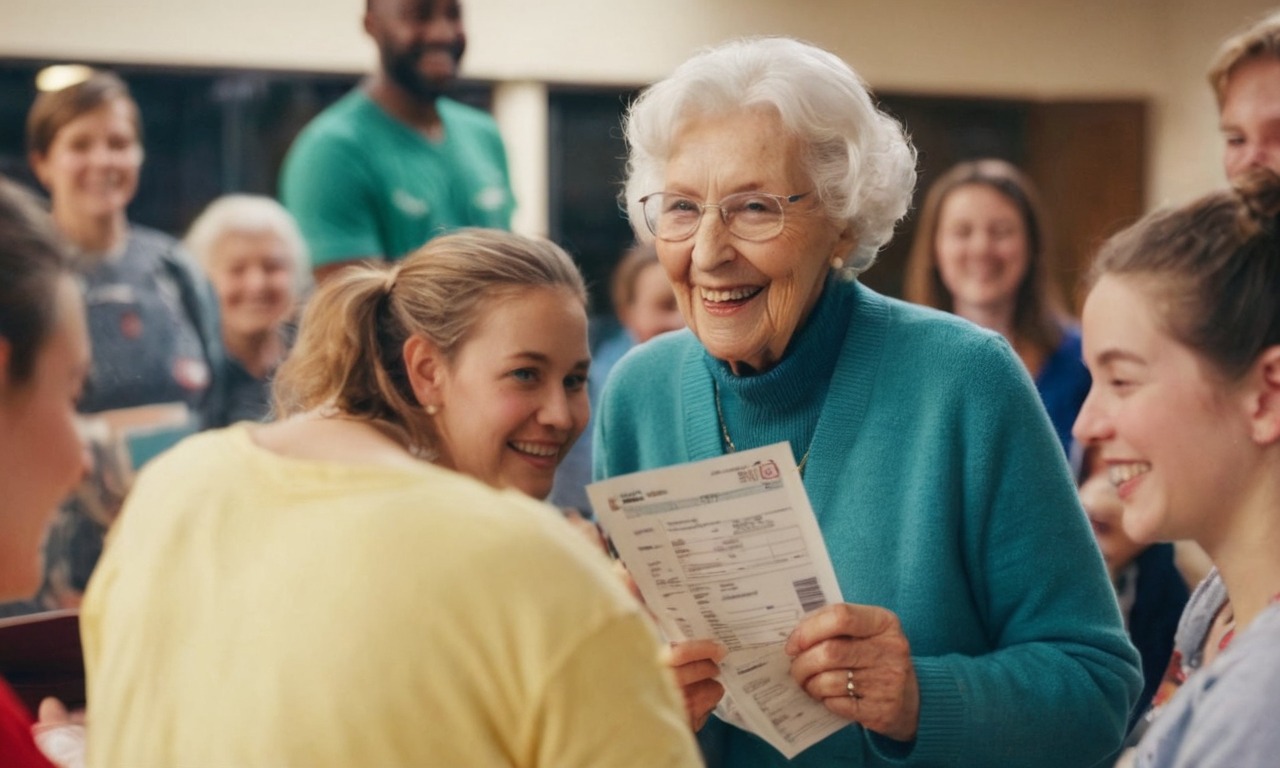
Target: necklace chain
x=728, y=441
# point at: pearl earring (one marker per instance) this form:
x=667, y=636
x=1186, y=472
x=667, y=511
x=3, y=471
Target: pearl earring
x=432, y=410
x=837, y=263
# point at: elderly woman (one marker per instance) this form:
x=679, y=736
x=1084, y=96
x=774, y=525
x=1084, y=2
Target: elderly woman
x=980, y=627
x=254, y=255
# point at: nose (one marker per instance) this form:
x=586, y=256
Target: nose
x=1259, y=157
x=255, y=279
x=1091, y=425
x=711, y=240
x=557, y=411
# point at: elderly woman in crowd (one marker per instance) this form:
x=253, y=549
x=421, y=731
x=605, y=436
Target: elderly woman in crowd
x=254, y=255
x=980, y=627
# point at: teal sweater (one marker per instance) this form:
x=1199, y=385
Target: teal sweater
x=943, y=495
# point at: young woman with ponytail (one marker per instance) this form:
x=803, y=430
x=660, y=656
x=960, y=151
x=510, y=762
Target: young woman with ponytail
x=1182, y=336
x=324, y=590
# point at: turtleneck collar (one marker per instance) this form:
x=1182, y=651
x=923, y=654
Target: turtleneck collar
x=784, y=402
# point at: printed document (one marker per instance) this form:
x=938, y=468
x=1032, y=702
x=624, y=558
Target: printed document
x=728, y=548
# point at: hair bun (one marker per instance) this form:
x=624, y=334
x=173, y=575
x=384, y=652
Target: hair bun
x=1259, y=190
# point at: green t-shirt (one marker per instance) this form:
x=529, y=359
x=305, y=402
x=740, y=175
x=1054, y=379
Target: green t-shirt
x=361, y=183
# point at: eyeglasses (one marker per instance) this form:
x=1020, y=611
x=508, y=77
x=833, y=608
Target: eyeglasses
x=755, y=216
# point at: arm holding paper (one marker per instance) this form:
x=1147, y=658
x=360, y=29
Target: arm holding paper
x=928, y=486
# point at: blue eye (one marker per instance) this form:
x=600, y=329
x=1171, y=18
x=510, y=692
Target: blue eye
x=525, y=374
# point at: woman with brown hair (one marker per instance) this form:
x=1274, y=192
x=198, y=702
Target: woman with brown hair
x=151, y=318
x=1182, y=334
x=981, y=252
x=44, y=358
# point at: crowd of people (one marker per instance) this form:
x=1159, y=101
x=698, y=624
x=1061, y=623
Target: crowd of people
x=377, y=410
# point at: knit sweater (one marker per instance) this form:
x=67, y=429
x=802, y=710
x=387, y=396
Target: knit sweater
x=942, y=494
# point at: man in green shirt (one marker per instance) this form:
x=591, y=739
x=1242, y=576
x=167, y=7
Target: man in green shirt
x=395, y=162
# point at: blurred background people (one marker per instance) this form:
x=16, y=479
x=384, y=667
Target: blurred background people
x=44, y=359
x=1182, y=334
x=254, y=256
x=645, y=306
x=396, y=162
x=979, y=627
x=1245, y=77
x=398, y=612
x=151, y=317
x=981, y=252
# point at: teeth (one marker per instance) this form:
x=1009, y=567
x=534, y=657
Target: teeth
x=731, y=295
x=1120, y=474
x=536, y=449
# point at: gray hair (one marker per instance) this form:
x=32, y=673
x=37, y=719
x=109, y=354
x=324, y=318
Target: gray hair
x=859, y=159
x=249, y=215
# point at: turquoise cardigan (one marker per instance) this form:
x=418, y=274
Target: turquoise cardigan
x=943, y=495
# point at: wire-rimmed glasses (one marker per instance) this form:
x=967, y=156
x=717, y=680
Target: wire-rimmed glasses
x=754, y=216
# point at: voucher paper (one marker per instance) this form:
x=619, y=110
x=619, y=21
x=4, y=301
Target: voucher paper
x=728, y=548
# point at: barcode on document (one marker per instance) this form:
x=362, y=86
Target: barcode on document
x=810, y=594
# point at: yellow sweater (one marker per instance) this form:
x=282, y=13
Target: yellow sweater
x=257, y=610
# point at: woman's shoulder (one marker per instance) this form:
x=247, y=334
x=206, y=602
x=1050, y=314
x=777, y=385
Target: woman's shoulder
x=940, y=344
x=654, y=362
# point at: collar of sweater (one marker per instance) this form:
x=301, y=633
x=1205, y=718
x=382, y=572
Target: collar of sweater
x=784, y=402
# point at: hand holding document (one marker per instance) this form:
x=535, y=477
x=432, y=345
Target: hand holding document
x=728, y=548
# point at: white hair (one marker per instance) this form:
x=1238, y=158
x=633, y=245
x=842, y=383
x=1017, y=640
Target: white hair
x=859, y=159
x=249, y=215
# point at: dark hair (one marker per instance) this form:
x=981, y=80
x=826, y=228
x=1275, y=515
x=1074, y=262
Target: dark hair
x=1038, y=315
x=350, y=349
x=1260, y=40
x=52, y=110
x=32, y=259
x=1216, y=265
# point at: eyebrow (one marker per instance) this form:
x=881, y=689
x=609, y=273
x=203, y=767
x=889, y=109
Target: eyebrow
x=1108, y=356
x=543, y=359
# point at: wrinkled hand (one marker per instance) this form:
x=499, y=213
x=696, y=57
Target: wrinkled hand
x=696, y=664
x=868, y=641
x=60, y=734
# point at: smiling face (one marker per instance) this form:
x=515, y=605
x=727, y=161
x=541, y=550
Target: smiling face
x=1250, y=117
x=745, y=300
x=1169, y=433
x=91, y=167
x=420, y=43
x=514, y=398
x=40, y=446
x=981, y=249
x=253, y=275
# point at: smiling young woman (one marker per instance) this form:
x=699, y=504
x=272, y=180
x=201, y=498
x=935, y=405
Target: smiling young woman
x=1182, y=334
x=379, y=551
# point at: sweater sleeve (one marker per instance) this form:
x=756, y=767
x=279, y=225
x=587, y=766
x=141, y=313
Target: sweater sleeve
x=1061, y=676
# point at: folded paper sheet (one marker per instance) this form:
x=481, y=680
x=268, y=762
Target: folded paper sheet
x=728, y=548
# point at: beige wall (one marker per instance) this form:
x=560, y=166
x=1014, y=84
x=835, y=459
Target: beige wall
x=1149, y=49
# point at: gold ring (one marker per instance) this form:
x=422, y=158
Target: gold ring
x=849, y=686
